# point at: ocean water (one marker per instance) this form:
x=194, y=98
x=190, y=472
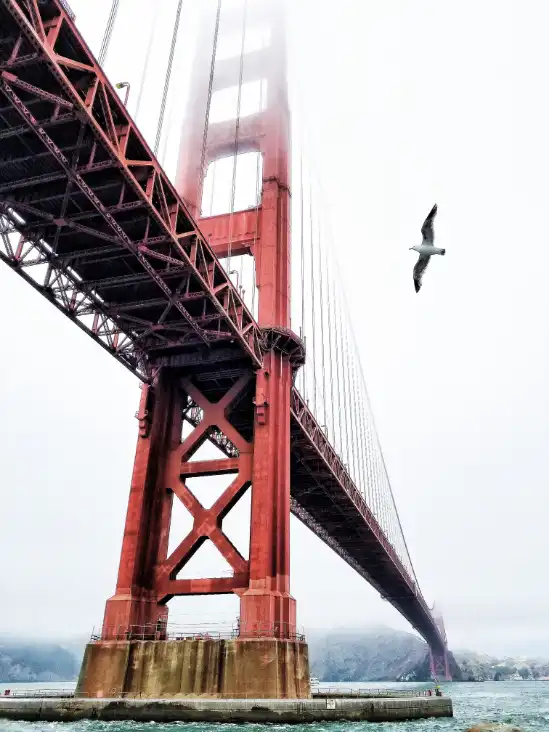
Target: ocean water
x=521, y=703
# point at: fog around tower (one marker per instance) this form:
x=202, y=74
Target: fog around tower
x=401, y=105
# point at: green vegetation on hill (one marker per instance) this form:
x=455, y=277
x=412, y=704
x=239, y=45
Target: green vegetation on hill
x=479, y=667
x=379, y=654
x=28, y=661
x=382, y=654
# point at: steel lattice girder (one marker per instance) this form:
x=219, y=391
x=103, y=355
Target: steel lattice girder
x=358, y=539
x=324, y=523
x=79, y=182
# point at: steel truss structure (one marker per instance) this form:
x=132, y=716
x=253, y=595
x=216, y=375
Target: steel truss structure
x=89, y=200
x=89, y=218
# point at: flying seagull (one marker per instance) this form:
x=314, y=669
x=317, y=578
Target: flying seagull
x=426, y=248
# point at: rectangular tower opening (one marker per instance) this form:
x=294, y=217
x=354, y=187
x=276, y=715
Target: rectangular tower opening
x=224, y=104
x=245, y=172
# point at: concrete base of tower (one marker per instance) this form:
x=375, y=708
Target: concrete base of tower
x=242, y=668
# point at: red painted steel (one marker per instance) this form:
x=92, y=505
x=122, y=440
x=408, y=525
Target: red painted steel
x=263, y=580
x=439, y=665
x=237, y=234
x=125, y=260
x=88, y=182
x=439, y=656
x=147, y=577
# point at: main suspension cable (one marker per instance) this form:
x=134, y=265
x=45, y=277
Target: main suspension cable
x=168, y=77
x=258, y=196
x=237, y=131
x=208, y=106
x=108, y=32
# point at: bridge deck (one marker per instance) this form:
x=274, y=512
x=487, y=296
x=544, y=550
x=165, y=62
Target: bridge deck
x=82, y=187
x=89, y=218
x=326, y=499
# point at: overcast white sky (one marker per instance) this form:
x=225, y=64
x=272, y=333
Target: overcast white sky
x=408, y=104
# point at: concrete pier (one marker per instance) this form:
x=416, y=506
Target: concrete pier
x=290, y=711
x=264, y=668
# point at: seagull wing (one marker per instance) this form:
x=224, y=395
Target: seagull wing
x=427, y=229
x=419, y=269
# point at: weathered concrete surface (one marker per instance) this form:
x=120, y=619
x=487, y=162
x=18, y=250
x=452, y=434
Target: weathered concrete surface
x=240, y=669
x=226, y=710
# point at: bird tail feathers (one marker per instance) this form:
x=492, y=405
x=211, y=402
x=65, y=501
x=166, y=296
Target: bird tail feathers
x=443, y=252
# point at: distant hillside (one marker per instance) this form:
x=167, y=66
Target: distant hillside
x=379, y=654
x=31, y=661
x=383, y=654
x=481, y=667
x=375, y=654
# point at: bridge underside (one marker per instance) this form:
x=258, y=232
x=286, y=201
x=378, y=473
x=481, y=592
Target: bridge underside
x=324, y=498
x=91, y=221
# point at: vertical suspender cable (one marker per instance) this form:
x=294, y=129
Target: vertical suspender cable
x=365, y=449
x=377, y=502
x=410, y=566
x=146, y=61
x=352, y=442
x=208, y=106
x=356, y=425
x=212, y=191
x=168, y=77
x=371, y=462
x=377, y=468
x=237, y=130
x=363, y=455
x=338, y=372
x=384, y=499
x=302, y=263
x=342, y=389
x=346, y=395
x=108, y=32
x=322, y=355
x=331, y=355
x=312, y=295
x=371, y=465
x=258, y=190
x=406, y=557
x=258, y=201
x=169, y=127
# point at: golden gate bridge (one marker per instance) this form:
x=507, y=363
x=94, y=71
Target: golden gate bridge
x=217, y=287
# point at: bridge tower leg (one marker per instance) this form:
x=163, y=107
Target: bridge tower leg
x=439, y=658
x=439, y=665
x=244, y=411
x=264, y=234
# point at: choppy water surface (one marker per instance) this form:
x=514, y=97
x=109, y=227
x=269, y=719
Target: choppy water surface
x=524, y=704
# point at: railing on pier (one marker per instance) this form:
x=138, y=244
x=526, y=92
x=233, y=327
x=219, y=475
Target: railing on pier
x=320, y=693
x=333, y=692
x=162, y=632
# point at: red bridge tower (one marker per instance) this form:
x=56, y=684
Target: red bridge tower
x=243, y=409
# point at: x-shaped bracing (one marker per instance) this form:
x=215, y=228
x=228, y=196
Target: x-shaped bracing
x=207, y=522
